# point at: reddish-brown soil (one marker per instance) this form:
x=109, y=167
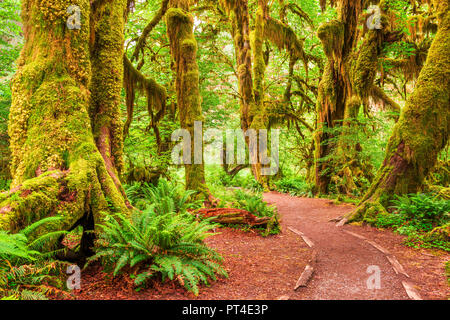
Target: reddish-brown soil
x=268, y=268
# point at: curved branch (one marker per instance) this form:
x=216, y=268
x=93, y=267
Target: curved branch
x=156, y=19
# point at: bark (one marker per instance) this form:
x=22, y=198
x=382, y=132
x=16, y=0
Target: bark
x=421, y=132
x=64, y=155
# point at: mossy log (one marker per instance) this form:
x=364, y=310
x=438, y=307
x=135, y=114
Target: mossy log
x=232, y=216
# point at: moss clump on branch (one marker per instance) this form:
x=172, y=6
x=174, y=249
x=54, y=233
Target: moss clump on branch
x=156, y=94
x=106, y=84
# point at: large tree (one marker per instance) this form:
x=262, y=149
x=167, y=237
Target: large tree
x=64, y=124
x=422, y=130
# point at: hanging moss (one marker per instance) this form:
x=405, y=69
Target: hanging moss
x=156, y=94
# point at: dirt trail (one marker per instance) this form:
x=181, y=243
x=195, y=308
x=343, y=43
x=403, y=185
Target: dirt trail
x=268, y=268
x=342, y=261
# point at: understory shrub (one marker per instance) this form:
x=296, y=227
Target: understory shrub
x=294, y=186
x=255, y=204
x=424, y=218
x=152, y=243
x=4, y=184
x=26, y=271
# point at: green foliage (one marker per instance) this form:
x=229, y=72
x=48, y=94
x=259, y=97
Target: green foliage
x=159, y=243
x=255, y=204
x=297, y=186
x=165, y=196
x=424, y=211
x=4, y=184
x=26, y=273
x=416, y=216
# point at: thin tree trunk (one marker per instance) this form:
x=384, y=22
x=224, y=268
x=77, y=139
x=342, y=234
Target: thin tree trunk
x=183, y=45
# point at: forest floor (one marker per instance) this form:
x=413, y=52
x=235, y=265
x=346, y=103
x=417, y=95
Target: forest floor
x=268, y=268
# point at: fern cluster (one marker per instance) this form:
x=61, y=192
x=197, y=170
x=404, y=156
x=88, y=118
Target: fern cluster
x=25, y=272
x=165, y=243
x=255, y=204
x=424, y=218
x=166, y=196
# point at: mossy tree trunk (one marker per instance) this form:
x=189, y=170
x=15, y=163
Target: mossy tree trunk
x=346, y=85
x=422, y=130
x=65, y=151
x=106, y=84
x=251, y=71
x=180, y=25
x=338, y=38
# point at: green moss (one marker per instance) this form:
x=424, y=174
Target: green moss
x=365, y=67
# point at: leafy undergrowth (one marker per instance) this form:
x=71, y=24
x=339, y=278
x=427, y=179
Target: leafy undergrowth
x=26, y=271
x=162, y=241
x=424, y=218
x=297, y=186
x=154, y=243
x=255, y=204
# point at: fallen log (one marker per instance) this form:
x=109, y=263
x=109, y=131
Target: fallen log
x=232, y=216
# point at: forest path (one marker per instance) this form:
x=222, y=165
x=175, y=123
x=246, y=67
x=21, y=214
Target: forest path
x=267, y=268
x=341, y=267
